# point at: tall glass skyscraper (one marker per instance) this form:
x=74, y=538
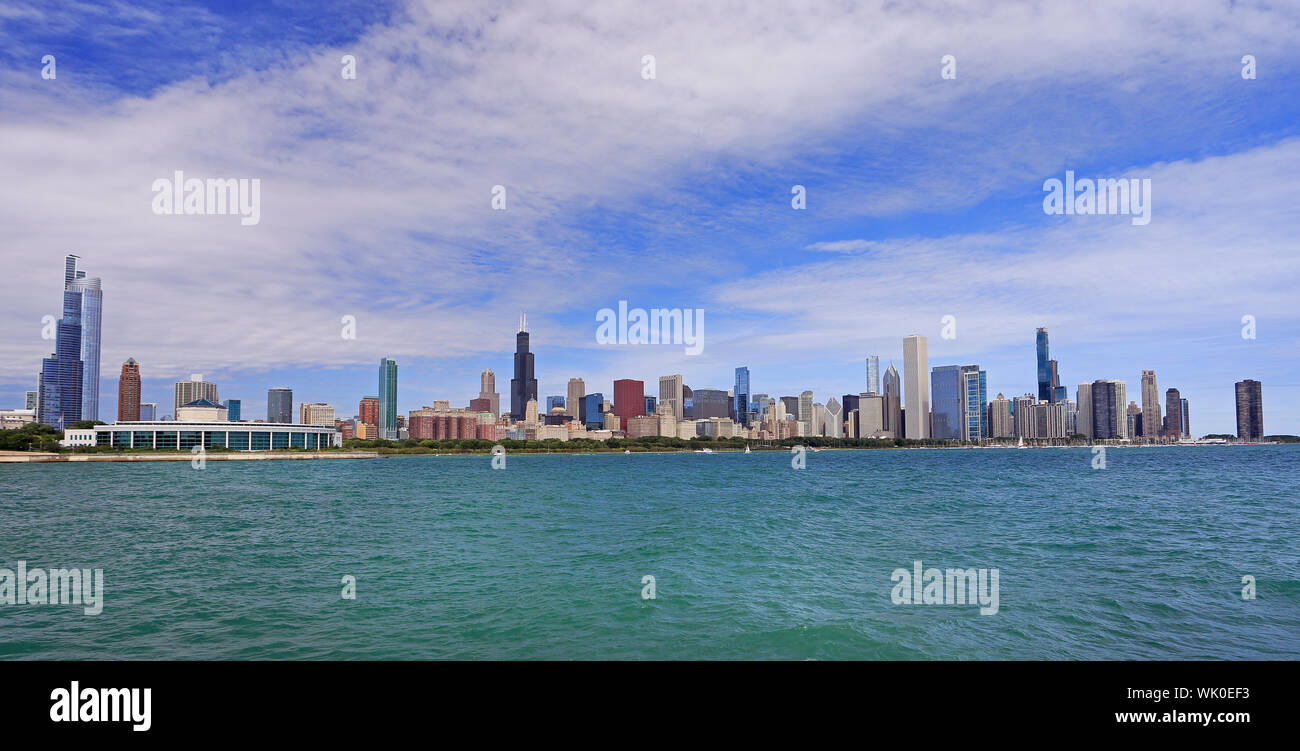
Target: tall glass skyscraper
x=873, y=375
x=233, y=410
x=523, y=387
x=975, y=396
x=60, y=395
x=591, y=406
x=388, y=399
x=948, y=415
x=1045, y=391
x=740, y=396
x=92, y=309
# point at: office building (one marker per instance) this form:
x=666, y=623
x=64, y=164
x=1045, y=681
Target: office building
x=592, y=410
x=92, y=308
x=709, y=403
x=233, y=410
x=128, y=392
x=916, y=365
x=1250, y=410
x=671, y=394
x=892, y=390
x=975, y=403
x=573, y=400
x=1187, y=424
x=871, y=414
x=315, y=413
x=629, y=399
x=488, y=390
x=279, y=405
x=873, y=374
x=192, y=390
x=523, y=387
x=947, y=410
x=741, y=395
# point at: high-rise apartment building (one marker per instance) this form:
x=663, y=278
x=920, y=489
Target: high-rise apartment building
x=1109, y=417
x=368, y=411
x=128, y=392
x=1044, y=366
x=193, y=389
x=1250, y=410
x=975, y=403
x=387, y=424
x=279, y=404
x=1151, y=422
x=60, y=385
x=916, y=364
x=1000, y=423
x=1083, y=423
x=1187, y=429
x=92, y=309
x=523, y=386
x=1173, y=414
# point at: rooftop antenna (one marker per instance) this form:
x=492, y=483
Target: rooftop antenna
x=523, y=322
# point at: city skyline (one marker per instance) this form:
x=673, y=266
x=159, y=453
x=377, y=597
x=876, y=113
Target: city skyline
x=635, y=169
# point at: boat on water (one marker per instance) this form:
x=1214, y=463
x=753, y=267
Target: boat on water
x=747, y=451
x=704, y=451
x=1021, y=444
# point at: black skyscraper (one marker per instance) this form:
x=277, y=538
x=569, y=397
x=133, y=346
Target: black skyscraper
x=523, y=386
x=1250, y=410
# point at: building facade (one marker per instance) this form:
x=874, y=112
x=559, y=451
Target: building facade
x=1250, y=410
x=128, y=392
x=916, y=365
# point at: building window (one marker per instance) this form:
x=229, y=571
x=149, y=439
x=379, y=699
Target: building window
x=239, y=441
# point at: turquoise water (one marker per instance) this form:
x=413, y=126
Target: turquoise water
x=752, y=559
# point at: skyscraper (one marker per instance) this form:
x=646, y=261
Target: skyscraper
x=234, y=407
x=279, y=404
x=741, y=396
x=554, y=401
x=1000, y=424
x=573, y=402
x=893, y=392
x=523, y=387
x=1250, y=410
x=916, y=364
x=1084, y=422
x=805, y=406
x=1187, y=421
x=629, y=399
x=59, y=401
x=488, y=390
x=92, y=309
x=148, y=411
x=194, y=389
x=671, y=393
x=1044, y=367
x=975, y=403
x=31, y=400
x=1173, y=414
x=368, y=410
x=128, y=392
x=1151, y=422
x=1109, y=417
x=873, y=374
x=948, y=403
x=388, y=399
x=592, y=414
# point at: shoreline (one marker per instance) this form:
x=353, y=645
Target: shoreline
x=34, y=457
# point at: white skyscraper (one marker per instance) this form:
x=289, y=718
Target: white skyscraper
x=916, y=386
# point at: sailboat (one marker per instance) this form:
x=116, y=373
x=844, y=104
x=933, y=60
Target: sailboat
x=1021, y=444
x=747, y=451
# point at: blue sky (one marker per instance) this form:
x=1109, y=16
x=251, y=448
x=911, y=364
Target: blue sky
x=924, y=194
